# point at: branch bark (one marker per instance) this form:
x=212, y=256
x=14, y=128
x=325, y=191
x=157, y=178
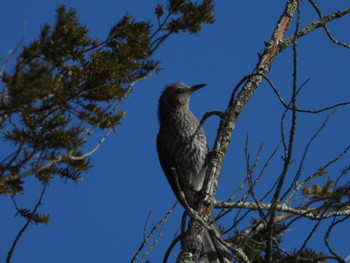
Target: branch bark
x=312, y=27
x=313, y=213
x=249, y=84
x=227, y=124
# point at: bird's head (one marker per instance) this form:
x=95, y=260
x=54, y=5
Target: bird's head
x=178, y=94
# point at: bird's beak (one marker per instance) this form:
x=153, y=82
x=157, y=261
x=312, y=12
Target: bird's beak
x=197, y=87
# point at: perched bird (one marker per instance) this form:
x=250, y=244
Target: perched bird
x=182, y=149
x=180, y=144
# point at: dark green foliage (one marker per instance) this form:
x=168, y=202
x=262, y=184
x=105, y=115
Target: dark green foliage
x=190, y=14
x=159, y=11
x=181, y=16
x=35, y=217
x=254, y=247
x=67, y=85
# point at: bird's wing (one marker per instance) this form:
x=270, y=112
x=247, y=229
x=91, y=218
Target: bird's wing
x=167, y=162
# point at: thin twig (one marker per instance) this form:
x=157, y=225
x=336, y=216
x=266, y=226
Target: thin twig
x=153, y=244
x=286, y=111
x=326, y=238
x=190, y=211
x=306, y=150
x=318, y=11
x=288, y=156
x=145, y=240
x=171, y=247
x=205, y=117
x=309, y=237
x=297, y=109
x=87, y=154
x=312, y=27
x=307, y=212
x=323, y=168
x=146, y=224
x=223, y=212
x=236, y=221
x=250, y=170
x=20, y=233
x=209, y=114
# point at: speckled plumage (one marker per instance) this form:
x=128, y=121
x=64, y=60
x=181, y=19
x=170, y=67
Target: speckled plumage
x=181, y=143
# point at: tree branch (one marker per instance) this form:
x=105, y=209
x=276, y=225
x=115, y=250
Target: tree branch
x=312, y=27
x=20, y=233
x=297, y=109
x=326, y=28
x=307, y=212
x=146, y=238
x=288, y=153
x=232, y=113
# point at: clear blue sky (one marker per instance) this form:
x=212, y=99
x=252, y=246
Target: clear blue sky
x=101, y=219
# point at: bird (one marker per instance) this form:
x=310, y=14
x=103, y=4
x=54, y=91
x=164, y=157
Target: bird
x=182, y=149
x=181, y=142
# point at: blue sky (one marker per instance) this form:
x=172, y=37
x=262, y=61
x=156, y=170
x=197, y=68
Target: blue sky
x=101, y=219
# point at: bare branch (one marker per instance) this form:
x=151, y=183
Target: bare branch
x=209, y=114
x=250, y=170
x=234, y=109
x=322, y=169
x=171, y=247
x=303, y=85
x=298, y=173
x=326, y=238
x=238, y=102
x=307, y=212
x=87, y=154
x=297, y=109
x=153, y=244
x=189, y=210
x=205, y=117
x=313, y=230
x=146, y=224
x=326, y=28
x=148, y=237
x=312, y=27
x=289, y=152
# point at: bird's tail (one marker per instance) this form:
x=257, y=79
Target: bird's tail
x=216, y=251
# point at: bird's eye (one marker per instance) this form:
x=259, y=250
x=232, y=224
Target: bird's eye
x=179, y=91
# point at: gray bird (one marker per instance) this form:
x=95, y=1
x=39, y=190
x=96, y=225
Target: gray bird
x=182, y=149
x=180, y=144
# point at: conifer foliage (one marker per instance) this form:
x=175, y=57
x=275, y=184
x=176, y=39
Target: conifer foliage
x=67, y=85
